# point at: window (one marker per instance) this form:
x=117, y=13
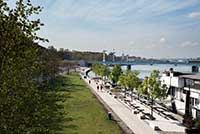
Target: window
x=198, y=114
x=172, y=91
x=194, y=101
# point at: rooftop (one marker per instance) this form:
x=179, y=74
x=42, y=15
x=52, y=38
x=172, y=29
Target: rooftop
x=192, y=77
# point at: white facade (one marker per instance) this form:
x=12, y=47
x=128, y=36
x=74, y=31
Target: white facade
x=178, y=91
x=172, y=81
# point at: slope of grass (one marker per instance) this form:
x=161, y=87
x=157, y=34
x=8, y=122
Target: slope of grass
x=83, y=113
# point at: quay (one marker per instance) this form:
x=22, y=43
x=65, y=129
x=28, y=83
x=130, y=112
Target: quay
x=162, y=124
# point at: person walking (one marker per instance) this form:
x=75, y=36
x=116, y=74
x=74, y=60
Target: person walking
x=101, y=88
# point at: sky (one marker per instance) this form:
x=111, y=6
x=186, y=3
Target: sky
x=146, y=28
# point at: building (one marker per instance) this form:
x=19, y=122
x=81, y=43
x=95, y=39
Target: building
x=83, y=63
x=184, y=92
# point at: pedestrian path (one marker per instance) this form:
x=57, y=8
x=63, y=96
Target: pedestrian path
x=163, y=122
x=133, y=121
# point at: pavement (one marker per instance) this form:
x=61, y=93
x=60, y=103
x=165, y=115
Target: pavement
x=133, y=121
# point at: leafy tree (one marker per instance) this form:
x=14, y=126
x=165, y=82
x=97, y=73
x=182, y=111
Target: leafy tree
x=101, y=70
x=129, y=80
x=143, y=87
x=122, y=82
x=104, y=71
x=25, y=105
x=132, y=81
x=156, y=90
x=78, y=55
x=151, y=86
x=96, y=68
x=115, y=73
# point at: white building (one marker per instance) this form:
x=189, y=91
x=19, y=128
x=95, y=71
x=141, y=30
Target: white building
x=180, y=85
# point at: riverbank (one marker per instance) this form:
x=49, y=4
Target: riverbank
x=83, y=113
x=133, y=120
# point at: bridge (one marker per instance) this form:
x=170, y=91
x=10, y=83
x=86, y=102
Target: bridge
x=194, y=66
x=145, y=63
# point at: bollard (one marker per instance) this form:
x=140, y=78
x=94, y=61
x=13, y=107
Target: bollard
x=109, y=115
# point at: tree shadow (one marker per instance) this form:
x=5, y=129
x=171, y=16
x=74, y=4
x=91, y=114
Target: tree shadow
x=61, y=91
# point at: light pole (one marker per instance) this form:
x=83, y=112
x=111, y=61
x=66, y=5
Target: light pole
x=187, y=103
x=104, y=55
x=113, y=55
x=173, y=104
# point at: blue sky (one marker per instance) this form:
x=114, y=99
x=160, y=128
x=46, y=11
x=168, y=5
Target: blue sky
x=147, y=28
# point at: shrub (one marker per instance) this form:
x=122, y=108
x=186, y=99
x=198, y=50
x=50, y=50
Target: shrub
x=197, y=124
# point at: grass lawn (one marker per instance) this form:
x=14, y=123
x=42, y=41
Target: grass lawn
x=84, y=114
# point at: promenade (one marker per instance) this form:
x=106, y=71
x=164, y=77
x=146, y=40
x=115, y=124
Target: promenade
x=133, y=121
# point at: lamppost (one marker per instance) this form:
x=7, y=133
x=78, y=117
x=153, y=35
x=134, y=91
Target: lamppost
x=187, y=103
x=113, y=55
x=172, y=92
x=104, y=55
x=170, y=76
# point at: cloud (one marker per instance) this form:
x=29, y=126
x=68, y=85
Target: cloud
x=194, y=15
x=190, y=44
x=116, y=11
x=162, y=40
x=126, y=25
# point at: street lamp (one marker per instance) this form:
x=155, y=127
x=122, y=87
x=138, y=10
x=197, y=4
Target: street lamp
x=188, y=83
x=104, y=55
x=113, y=55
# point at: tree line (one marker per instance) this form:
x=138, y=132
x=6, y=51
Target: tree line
x=129, y=81
x=78, y=55
x=66, y=54
x=28, y=103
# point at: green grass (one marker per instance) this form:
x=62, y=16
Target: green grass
x=84, y=114
x=116, y=90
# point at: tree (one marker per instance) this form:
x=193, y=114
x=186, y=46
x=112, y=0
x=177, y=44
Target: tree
x=129, y=80
x=151, y=86
x=143, y=87
x=156, y=90
x=115, y=73
x=25, y=105
x=122, y=82
x=101, y=70
x=104, y=71
x=96, y=68
x=132, y=81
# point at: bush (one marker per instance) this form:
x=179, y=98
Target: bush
x=116, y=90
x=188, y=121
x=197, y=124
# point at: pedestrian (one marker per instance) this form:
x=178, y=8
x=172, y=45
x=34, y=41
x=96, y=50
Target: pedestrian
x=101, y=87
x=97, y=88
x=89, y=81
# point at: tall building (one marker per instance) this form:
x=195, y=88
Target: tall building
x=123, y=58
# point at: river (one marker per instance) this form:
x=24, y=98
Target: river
x=145, y=70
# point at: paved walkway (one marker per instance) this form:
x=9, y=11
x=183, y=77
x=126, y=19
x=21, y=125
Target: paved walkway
x=165, y=123
x=133, y=121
